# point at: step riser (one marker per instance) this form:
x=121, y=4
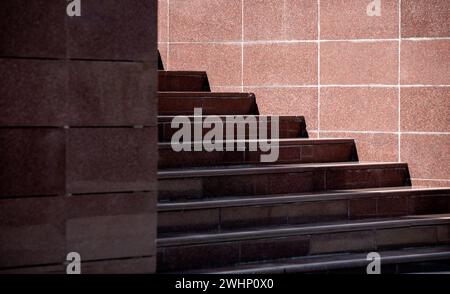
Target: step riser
x=168, y=82
x=244, y=216
x=243, y=251
x=282, y=183
x=288, y=128
x=214, y=104
x=287, y=154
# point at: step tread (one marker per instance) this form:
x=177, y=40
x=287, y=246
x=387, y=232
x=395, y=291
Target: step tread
x=298, y=197
x=282, y=141
x=271, y=168
x=177, y=239
x=332, y=261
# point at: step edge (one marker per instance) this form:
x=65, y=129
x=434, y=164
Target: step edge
x=277, y=232
x=286, y=199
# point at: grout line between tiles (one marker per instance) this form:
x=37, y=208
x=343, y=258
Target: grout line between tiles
x=318, y=69
x=399, y=78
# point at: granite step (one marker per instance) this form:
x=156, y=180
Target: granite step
x=289, y=126
x=290, y=151
x=291, y=209
x=227, y=248
x=248, y=180
x=183, y=103
x=183, y=81
x=422, y=259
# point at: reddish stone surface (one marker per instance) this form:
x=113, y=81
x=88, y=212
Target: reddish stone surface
x=287, y=101
x=371, y=146
x=280, y=64
x=425, y=109
x=33, y=28
x=111, y=160
x=349, y=20
x=425, y=18
x=222, y=62
x=427, y=155
x=163, y=20
x=200, y=20
x=425, y=62
x=347, y=63
x=280, y=20
x=359, y=109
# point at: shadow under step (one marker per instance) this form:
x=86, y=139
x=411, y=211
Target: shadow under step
x=241, y=212
x=183, y=103
x=289, y=151
x=208, y=250
x=247, y=180
x=289, y=126
x=183, y=81
x=391, y=261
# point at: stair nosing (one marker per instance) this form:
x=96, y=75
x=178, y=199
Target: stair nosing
x=271, y=168
x=237, y=201
x=286, y=231
x=354, y=260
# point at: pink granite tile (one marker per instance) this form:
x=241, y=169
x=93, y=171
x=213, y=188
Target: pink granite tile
x=425, y=18
x=280, y=20
x=347, y=63
x=288, y=101
x=280, y=64
x=431, y=183
x=428, y=156
x=205, y=20
x=163, y=18
x=425, y=109
x=359, y=109
x=371, y=146
x=349, y=20
x=425, y=62
x=222, y=62
x=231, y=89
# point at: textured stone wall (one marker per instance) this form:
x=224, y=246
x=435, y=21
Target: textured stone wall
x=78, y=150
x=383, y=80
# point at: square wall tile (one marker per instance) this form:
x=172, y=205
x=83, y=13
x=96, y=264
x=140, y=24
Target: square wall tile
x=351, y=63
x=359, y=109
x=349, y=20
x=425, y=62
x=111, y=94
x=163, y=21
x=371, y=146
x=280, y=20
x=431, y=183
x=428, y=156
x=280, y=64
x=205, y=20
x=222, y=62
x=32, y=92
x=288, y=101
x=105, y=226
x=425, y=109
x=33, y=28
x=118, y=30
x=425, y=18
x=32, y=231
x=111, y=160
x=32, y=161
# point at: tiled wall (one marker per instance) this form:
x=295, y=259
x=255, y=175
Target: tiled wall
x=78, y=149
x=383, y=80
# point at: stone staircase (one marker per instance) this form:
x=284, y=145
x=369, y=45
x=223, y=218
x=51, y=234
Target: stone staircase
x=315, y=209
